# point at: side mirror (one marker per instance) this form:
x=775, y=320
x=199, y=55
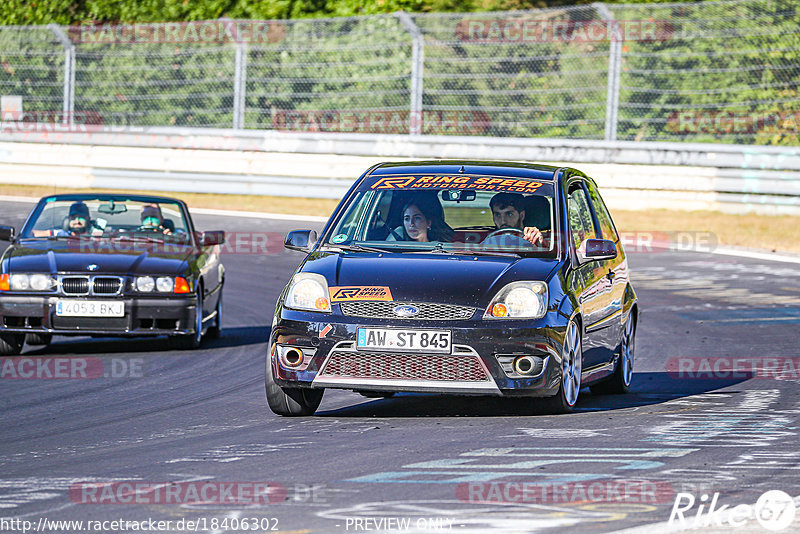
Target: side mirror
x=599, y=249
x=216, y=237
x=7, y=233
x=301, y=240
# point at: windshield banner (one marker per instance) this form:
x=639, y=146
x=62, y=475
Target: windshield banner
x=486, y=183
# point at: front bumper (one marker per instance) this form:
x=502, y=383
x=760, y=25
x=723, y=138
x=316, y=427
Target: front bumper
x=325, y=339
x=154, y=316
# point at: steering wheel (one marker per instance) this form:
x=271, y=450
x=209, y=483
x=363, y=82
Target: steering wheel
x=505, y=231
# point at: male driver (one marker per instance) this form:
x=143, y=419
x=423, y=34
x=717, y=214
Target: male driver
x=508, y=212
x=153, y=220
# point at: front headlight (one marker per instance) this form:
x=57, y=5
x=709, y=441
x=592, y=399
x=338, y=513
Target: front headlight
x=309, y=292
x=30, y=282
x=519, y=300
x=165, y=284
x=145, y=284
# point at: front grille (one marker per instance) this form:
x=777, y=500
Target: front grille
x=437, y=367
x=427, y=311
x=75, y=285
x=106, y=286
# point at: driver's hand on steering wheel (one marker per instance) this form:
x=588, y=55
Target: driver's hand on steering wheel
x=532, y=235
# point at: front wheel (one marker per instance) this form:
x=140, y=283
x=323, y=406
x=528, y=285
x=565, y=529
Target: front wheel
x=11, y=343
x=571, y=367
x=620, y=381
x=290, y=401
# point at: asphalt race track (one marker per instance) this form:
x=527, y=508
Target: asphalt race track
x=420, y=463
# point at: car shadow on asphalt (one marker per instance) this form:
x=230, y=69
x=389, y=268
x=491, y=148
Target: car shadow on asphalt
x=237, y=336
x=648, y=389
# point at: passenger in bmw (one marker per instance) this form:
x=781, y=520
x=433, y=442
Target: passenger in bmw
x=77, y=222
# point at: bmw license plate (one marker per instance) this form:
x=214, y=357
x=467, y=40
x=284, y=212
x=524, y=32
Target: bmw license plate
x=392, y=339
x=90, y=308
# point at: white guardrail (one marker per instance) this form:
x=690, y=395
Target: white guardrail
x=632, y=175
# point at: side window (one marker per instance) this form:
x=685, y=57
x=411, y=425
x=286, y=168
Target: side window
x=606, y=224
x=580, y=216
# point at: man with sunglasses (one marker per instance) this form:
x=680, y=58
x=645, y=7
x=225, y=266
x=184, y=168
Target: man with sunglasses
x=153, y=220
x=78, y=222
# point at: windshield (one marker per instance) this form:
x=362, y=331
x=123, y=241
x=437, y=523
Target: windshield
x=463, y=214
x=93, y=217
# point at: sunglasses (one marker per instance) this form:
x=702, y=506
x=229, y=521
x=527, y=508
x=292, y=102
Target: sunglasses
x=78, y=218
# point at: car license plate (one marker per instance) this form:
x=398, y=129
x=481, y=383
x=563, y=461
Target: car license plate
x=391, y=339
x=90, y=308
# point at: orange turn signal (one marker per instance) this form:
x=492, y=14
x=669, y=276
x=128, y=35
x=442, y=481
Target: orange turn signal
x=499, y=310
x=181, y=285
x=322, y=304
x=5, y=285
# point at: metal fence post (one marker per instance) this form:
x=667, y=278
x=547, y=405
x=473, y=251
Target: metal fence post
x=614, y=70
x=68, y=106
x=417, y=68
x=239, y=85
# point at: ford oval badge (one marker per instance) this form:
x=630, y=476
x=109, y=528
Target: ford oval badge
x=406, y=310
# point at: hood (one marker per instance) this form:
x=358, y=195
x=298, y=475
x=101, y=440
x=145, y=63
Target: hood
x=72, y=256
x=444, y=278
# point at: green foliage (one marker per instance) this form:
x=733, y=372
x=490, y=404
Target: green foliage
x=717, y=62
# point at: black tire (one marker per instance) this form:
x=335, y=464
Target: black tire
x=191, y=341
x=11, y=343
x=291, y=402
x=620, y=381
x=376, y=394
x=215, y=331
x=572, y=365
x=38, y=339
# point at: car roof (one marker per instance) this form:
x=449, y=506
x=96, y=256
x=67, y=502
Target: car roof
x=488, y=168
x=110, y=196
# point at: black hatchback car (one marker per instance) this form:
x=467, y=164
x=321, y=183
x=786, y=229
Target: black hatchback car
x=109, y=265
x=460, y=277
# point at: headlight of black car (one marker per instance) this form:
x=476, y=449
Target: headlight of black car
x=26, y=282
x=519, y=300
x=161, y=284
x=308, y=292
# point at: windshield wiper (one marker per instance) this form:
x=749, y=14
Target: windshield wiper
x=357, y=248
x=139, y=238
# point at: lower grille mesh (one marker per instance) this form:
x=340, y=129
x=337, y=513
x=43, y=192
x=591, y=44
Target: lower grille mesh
x=436, y=367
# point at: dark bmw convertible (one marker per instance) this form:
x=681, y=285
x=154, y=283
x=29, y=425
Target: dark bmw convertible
x=478, y=278
x=110, y=265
